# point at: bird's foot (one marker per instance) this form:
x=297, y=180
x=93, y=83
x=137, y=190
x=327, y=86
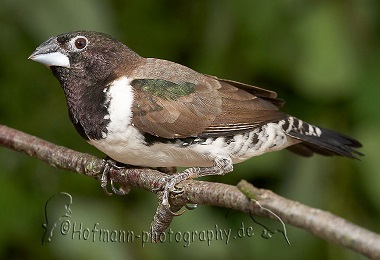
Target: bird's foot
x=109, y=163
x=221, y=166
x=170, y=188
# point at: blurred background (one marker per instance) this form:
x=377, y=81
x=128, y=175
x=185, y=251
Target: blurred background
x=322, y=57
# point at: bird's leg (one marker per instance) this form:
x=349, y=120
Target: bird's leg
x=222, y=165
x=109, y=163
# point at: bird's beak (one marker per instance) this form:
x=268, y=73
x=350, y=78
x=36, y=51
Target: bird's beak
x=49, y=54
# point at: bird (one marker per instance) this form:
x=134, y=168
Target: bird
x=152, y=112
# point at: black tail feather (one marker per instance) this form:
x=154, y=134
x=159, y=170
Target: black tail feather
x=328, y=143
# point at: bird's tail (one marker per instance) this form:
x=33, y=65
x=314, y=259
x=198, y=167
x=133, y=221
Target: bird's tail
x=320, y=140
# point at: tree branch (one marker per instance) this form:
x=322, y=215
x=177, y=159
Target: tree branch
x=244, y=197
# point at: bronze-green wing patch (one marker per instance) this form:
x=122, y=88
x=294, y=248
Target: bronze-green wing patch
x=163, y=88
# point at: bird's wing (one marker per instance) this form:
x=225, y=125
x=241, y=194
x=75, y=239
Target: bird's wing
x=266, y=94
x=207, y=107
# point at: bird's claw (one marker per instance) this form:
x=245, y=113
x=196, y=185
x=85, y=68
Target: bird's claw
x=118, y=191
x=170, y=188
x=108, y=163
x=191, y=206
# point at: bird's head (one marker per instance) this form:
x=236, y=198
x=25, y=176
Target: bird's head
x=84, y=54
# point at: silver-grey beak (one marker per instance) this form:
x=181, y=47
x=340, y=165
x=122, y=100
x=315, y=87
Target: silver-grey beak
x=49, y=54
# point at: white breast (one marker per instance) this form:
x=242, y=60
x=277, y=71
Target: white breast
x=120, y=101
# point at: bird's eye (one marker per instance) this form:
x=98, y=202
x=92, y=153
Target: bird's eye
x=80, y=43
